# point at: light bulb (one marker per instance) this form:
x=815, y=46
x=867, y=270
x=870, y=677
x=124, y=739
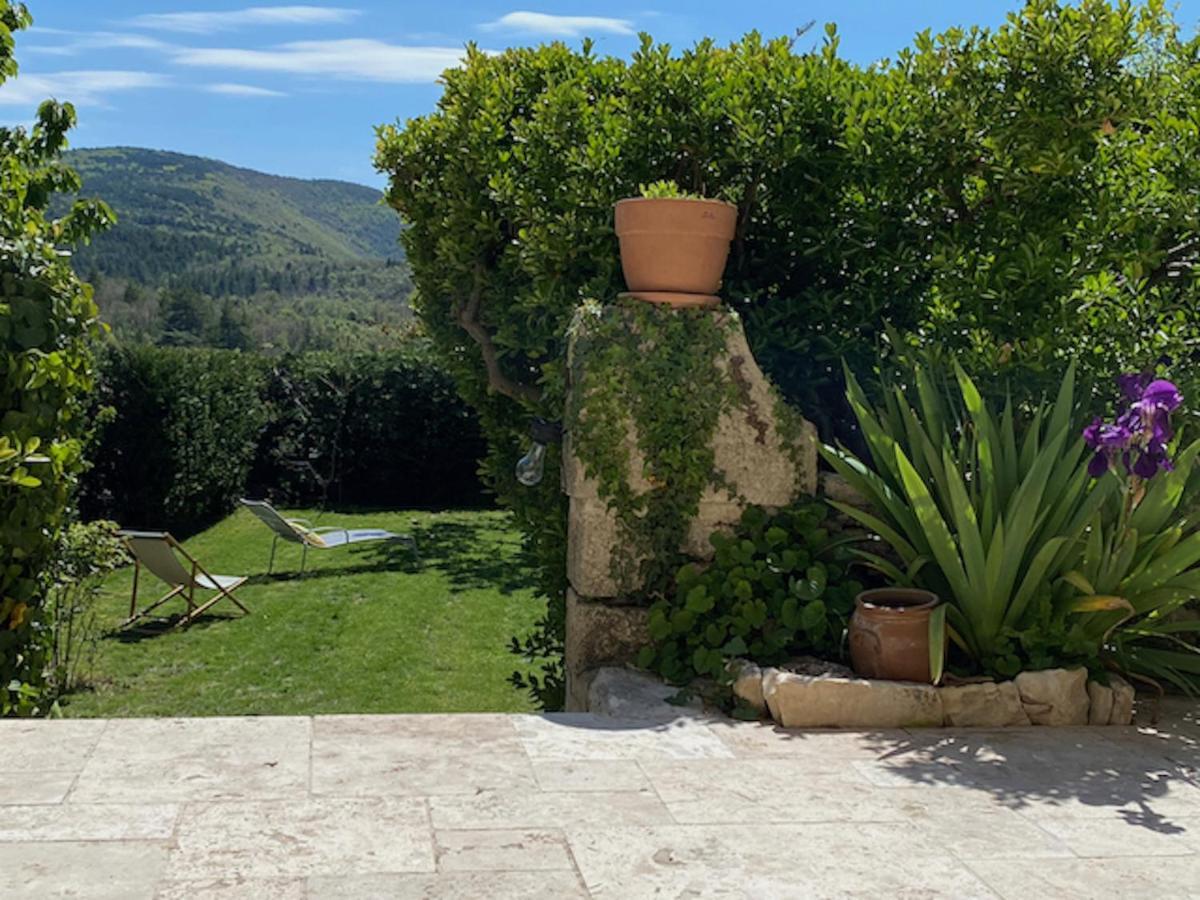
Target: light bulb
x=532, y=466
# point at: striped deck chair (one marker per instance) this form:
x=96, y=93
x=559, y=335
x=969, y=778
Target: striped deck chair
x=160, y=553
x=301, y=531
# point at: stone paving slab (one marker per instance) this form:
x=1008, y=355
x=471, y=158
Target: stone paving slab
x=562, y=806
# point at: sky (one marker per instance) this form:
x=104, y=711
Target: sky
x=297, y=89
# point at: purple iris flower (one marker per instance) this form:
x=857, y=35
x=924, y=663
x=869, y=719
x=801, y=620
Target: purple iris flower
x=1163, y=394
x=1140, y=435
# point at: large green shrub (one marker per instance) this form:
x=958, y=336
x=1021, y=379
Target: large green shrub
x=1019, y=196
x=46, y=320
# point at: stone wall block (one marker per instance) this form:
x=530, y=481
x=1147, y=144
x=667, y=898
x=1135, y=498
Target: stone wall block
x=1055, y=696
x=749, y=447
x=748, y=683
x=599, y=634
x=985, y=705
x=805, y=701
x=1122, y=708
x=1100, y=698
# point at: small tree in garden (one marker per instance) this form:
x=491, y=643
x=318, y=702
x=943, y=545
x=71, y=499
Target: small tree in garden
x=46, y=319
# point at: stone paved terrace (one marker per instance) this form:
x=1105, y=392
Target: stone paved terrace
x=492, y=806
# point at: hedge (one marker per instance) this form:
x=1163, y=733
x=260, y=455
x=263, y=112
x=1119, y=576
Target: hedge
x=186, y=432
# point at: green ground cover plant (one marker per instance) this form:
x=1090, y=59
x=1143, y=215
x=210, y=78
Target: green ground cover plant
x=638, y=356
x=366, y=630
x=780, y=585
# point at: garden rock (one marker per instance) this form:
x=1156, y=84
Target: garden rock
x=1122, y=708
x=1055, y=696
x=748, y=683
x=985, y=705
x=805, y=701
x=629, y=694
x=1101, y=698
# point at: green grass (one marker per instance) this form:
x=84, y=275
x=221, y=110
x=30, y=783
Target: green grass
x=367, y=629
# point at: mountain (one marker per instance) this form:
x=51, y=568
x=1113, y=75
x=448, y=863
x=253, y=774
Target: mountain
x=275, y=250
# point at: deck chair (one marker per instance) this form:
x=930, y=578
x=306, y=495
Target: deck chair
x=301, y=531
x=160, y=553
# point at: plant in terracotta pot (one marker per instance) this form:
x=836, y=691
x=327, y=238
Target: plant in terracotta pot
x=674, y=245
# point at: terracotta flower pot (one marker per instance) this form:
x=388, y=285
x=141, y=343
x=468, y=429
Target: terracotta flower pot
x=889, y=634
x=674, y=246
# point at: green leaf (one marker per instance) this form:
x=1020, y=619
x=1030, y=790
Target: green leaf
x=1078, y=580
x=698, y=600
x=813, y=616
x=937, y=642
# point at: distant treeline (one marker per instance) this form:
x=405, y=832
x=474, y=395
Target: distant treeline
x=300, y=306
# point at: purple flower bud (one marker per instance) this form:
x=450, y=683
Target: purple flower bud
x=1134, y=384
x=1099, y=464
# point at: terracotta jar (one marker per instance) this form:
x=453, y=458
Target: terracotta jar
x=889, y=634
x=674, y=246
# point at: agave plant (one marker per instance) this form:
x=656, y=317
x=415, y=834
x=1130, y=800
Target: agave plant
x=989, y=519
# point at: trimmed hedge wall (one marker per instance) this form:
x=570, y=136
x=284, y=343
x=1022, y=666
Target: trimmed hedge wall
x=183, y=433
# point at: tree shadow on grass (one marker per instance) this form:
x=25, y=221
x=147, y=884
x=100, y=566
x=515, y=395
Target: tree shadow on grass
x=471, y=555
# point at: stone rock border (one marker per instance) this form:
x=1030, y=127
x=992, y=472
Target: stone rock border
x=1047, y=697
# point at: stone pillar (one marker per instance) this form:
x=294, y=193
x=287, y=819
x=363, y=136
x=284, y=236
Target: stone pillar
x=770, y=462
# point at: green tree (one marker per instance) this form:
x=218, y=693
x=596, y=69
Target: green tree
x=47, y=318
x=183, y=317
x=231, y=329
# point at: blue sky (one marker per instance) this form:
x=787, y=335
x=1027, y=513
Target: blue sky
x=296, y=89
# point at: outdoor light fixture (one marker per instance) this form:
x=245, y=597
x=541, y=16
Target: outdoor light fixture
x=532, y=466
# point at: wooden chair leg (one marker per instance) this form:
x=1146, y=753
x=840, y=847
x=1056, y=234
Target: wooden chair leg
x=170, y=595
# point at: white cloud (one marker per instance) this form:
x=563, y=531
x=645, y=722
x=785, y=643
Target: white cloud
x=559, y=26
x=99, y=40
x=81, y=87
x=359, y=59
x=210, y=22
x=242, y=90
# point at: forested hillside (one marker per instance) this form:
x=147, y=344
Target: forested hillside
x=207, y=253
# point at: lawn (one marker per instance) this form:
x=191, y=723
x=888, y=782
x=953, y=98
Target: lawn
x=366, y=629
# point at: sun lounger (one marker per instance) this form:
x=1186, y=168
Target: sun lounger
x=301, y=531
x=166, y=558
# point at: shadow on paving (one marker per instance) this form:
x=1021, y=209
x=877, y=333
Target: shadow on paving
x=1148, y=776
x=1128, y=771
